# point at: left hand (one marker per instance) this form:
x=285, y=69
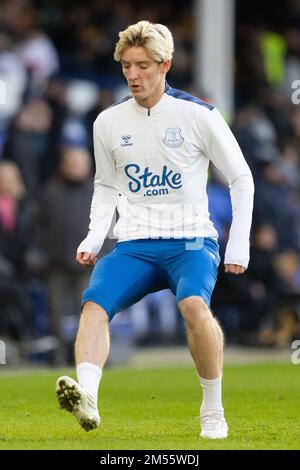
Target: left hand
x=234, y=268
x=86, y=259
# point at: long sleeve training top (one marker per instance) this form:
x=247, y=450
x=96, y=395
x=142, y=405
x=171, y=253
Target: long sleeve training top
x=152, y=164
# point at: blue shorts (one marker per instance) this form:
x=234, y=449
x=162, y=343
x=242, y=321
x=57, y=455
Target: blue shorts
x=135, y=268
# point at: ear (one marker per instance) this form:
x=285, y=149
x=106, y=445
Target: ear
x=166, y=66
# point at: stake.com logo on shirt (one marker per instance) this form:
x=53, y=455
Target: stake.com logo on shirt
x=145, y=178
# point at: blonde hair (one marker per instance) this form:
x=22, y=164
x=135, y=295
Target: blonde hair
x=155, y=38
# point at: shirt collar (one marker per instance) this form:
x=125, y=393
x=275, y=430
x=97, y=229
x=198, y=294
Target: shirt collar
x=156, y=108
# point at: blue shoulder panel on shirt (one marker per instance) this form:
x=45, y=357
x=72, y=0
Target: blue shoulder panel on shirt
x=128, y=97
x=182, y=95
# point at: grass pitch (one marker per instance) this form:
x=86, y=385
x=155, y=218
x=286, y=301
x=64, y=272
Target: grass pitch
x=154, y=409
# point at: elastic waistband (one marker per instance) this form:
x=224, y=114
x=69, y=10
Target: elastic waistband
x=164, y=239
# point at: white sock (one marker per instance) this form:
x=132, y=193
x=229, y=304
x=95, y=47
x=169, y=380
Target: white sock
x=89, y=376
x=212, y=394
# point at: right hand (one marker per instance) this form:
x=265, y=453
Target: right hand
x=86, y=259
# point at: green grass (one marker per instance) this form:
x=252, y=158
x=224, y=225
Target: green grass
x=155, y=409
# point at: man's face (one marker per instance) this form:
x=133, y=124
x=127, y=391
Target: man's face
x=144, y=76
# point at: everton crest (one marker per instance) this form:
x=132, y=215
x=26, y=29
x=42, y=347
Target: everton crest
x=173, y=137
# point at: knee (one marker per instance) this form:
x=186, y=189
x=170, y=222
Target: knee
x=94, y=312
x=194, y=309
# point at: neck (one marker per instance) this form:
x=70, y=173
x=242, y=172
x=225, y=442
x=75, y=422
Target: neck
x=154, y=99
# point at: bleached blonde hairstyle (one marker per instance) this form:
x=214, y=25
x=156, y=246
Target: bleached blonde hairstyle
x=155, y=38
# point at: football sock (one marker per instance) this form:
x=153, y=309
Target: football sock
x=212, y=394
x=89, y=376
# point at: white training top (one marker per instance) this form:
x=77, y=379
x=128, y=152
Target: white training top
x=152, y=164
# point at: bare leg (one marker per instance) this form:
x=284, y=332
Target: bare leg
x=91, y=351
x=205, y=340
x=92, y=342
x=205, y=337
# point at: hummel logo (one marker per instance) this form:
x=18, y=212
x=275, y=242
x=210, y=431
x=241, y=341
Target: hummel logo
x=126, y=140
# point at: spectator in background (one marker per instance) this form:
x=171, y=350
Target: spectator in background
x=155, y=319
x=273, y=204
x=13, y=74
x=16, y=217
x=284, y=325
x=61, y=227
x=16, y=220
x=28, y=141
x=33, y=47
x=257, y=137
x=264, y=282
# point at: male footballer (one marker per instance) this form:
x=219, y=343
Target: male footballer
x=152, y=153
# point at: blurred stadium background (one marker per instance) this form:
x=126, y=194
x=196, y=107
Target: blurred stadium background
x=56, y=74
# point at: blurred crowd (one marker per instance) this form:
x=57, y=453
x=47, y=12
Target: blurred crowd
x=57, y=67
